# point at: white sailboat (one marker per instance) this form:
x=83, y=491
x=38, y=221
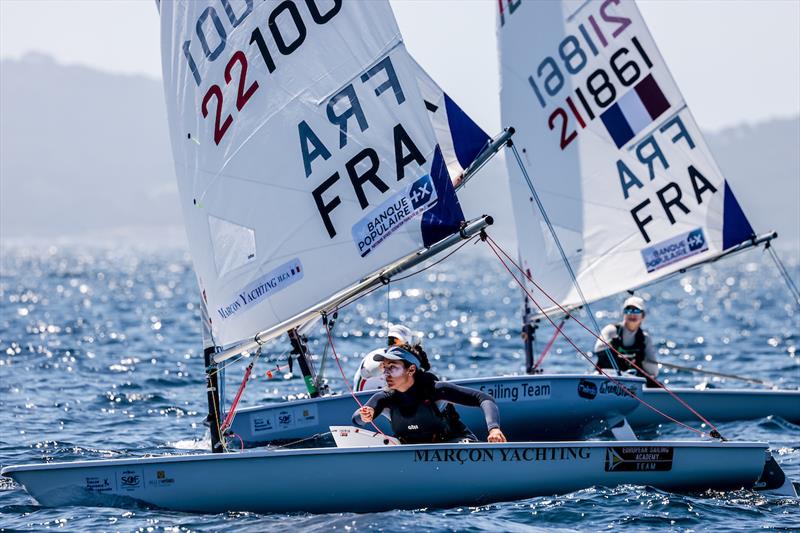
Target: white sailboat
x=630, y=191
x=534, y=407
x=296, y=127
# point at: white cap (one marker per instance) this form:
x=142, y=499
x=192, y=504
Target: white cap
x=634, y=301
x=402, y=333
x=369, y=366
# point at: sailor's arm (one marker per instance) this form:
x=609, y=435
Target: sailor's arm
x=370, y=410
x=607, y=333
x=650, y=363
x=473, y=398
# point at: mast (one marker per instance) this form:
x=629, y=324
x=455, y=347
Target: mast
x=300, y=349
x=212, y=395
x=528, y=337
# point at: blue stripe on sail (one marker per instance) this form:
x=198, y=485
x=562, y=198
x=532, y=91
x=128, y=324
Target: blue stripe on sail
x=444, y=218
x=735, y=226
x=617, y=126
x=468, y=138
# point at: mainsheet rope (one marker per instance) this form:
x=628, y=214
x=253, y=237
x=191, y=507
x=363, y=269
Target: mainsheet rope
x=495, y=247
x=550, y=343
x=339, y=364
x=330, y=336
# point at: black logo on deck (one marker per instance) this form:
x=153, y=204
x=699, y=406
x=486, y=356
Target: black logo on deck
x=587, y=389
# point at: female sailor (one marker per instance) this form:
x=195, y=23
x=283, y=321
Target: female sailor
x=420, y=407
x=369, y=375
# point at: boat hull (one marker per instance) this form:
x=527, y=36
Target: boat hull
x=539, y=407
x=322, y=480
x=718, y=405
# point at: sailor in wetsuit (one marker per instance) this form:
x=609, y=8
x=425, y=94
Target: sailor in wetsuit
x=420, y=407
x=630, y=342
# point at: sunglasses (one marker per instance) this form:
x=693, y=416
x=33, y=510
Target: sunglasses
x=394, y=371
x=632, y=311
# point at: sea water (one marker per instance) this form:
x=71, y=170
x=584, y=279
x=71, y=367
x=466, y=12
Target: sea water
x=100, y=357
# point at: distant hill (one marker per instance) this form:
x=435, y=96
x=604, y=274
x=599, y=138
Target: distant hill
x=86, y=154
x=82, y=152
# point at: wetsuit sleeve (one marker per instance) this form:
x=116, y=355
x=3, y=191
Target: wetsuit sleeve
x=471, y=397
x=377, y=402
x=650, y=363
x=607, y=334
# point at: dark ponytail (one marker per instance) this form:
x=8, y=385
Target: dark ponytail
x=420, y=354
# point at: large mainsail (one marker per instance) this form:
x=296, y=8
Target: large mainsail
x=618, y=160
x=305, y=155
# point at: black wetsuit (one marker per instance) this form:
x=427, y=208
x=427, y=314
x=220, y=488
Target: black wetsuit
x=627, y=354
x=417, y=419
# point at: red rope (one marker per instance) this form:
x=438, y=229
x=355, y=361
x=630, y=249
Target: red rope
x=347, y=381
x=570, y=341
x=549, y=345
x=633, y=364
x=232, y=413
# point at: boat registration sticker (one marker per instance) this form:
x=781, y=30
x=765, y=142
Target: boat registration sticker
x=639, y=458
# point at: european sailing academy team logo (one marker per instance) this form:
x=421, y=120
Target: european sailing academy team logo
x=639, y=458
x=675, y=249
x=369, y=232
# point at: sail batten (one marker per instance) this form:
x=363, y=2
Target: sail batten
x=614, y=152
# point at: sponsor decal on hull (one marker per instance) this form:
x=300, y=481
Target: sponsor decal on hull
x=587, y=389
x=130, y=480
x=519, y=391
x=272, y=420
x=639, y=459
x=501, y=455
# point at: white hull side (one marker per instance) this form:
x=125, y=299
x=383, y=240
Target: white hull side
x=719, y=405
x=539, y=407
x=432, y=476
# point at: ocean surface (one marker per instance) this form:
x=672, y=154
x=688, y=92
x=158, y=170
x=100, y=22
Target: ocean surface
x=100, y=356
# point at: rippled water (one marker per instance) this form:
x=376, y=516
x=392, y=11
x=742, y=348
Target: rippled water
x=100, y=357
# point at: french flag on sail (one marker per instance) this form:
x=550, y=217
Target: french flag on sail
x=634, y=111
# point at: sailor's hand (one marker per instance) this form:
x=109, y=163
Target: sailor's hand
x=366, y=414
x=495, y=435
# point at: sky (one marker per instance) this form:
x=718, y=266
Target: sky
x=734, y=60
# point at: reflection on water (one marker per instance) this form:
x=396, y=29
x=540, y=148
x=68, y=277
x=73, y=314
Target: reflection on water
x=100, y=356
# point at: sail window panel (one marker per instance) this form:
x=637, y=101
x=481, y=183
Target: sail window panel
x=234, y=245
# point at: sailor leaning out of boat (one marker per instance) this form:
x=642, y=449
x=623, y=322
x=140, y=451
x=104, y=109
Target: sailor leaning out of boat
x=630, y=341
x=420, y=407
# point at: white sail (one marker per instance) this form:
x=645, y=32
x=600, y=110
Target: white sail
x=304, y=153
x=612, y=149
